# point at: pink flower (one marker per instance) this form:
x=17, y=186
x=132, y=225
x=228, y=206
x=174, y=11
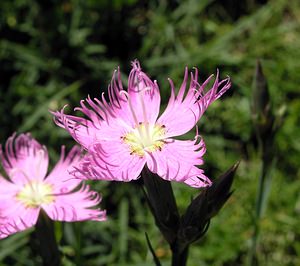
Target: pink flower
x=28, y=191
x=125, y=134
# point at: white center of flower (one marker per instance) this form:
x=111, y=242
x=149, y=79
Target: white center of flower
x=145, y=138
x=35, y=193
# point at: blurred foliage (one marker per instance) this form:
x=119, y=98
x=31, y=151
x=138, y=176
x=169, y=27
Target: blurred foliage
x=57, y=52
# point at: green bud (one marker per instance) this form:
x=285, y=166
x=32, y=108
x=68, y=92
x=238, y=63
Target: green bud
x=195, y=221
x=160, y=197
x=262, y=115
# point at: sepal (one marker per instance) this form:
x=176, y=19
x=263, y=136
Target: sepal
x=261, y=106
x=160, y=197
x=195, y=221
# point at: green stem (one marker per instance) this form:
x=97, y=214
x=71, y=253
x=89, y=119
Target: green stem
x=48, y=248
x=179, y=258
x=78, y=233
x=258, y=213
x=261, y=191
x=162, y=204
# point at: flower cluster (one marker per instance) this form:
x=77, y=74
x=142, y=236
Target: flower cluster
x=126, y=133
x=121, y=137
x=29, y=190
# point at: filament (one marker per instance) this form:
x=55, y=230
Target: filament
x=146, y=123
x=132, y=110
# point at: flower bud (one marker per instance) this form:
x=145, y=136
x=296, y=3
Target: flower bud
x=162, y=203
x=195, y=221
x=262, y=115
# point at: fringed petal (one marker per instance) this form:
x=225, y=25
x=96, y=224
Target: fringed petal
x=177, y=158
x=7, y=190
x=110, y=161
x=197, y=178
x=144, y=95
x=183, y=112
x=16, y=218
x=125, y=110
x=82, y=130
x=20, y=200
x=24, y=159
x=87, y=132
x=60, y=178
x=79, y=205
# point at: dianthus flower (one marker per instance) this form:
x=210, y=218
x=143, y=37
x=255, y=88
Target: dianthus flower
x=124, y=134
x=28, y=191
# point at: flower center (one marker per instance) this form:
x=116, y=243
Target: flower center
x=35, y=193
x=145, y=138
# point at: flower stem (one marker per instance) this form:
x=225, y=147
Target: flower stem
x=162, y=203
x=263, y=187
x=179, y=258
x=47, y=248
x=78, y=243
x=258, y=212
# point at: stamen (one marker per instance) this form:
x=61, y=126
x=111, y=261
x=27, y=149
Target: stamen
x=132, y=111
x=40, y=155
x=146, y=122
x=15, y=170
x=131, y=107
x=139, y=144
x=35, y=193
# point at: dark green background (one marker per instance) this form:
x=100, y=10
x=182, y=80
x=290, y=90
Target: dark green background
x=57, y=52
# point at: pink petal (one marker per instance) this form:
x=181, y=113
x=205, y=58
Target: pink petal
x=108, y=120
x=144, y=95
x=99, y=125
x=7, y=190
x=75, y=206
x=24, y=159
x=60, y=178
x=111, y=160
x=197, y=178
x=17, y=218
x=68, y=205
x=132, y=106
x=176, y=160
x=183, y=112
x=82, y=130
